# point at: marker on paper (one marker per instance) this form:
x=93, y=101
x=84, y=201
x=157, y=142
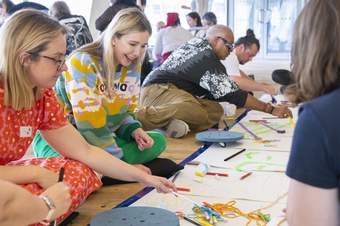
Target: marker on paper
x=249, y=131
x=264, y=123
x=183, y=189
x=217, y=174
x=193, y=163
x=246, y=175
x=191, y=221
x=232, y=156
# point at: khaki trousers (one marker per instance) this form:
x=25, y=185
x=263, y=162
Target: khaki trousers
x=160, y=103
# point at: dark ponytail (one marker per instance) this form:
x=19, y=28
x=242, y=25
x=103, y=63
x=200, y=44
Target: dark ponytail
x=248, y=40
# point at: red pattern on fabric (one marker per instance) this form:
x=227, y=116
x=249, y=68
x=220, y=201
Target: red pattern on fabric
x=17, y=130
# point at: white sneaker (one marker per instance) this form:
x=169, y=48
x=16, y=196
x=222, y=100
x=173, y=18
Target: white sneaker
x=177, y=128
x=228, y=108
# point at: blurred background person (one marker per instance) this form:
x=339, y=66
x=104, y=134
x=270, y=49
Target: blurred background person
x=209, y=19
x=78, y=32
x=194, y=22
x=170, y=38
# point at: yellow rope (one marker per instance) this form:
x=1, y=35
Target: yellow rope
x=229, y=210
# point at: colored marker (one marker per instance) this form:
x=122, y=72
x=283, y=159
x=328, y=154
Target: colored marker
x=264, y=123
x=191, y=221
x=232, y=156
x=60, y=179
x=258, y=120
x=249, y=131
x=217, y=174
x=183, y=189
x=61, y=174
x=246, y=175
x=193, y=163
x=272, y=128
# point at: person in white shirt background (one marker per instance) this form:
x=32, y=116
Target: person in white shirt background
x=245, y=50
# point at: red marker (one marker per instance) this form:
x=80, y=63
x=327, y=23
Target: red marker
x=183, y=189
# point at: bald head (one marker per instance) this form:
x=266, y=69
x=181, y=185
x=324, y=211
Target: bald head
x=220, y=31
x=220, y=37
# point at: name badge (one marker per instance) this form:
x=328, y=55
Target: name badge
x=25, y=131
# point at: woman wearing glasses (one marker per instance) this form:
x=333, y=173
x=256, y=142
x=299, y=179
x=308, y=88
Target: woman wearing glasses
x=30, y=64
x=100, y=91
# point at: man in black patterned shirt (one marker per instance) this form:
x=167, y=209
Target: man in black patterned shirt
x=186, y=89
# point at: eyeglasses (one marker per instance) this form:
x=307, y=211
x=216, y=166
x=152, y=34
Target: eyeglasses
x=57, y=62
x=228, y=45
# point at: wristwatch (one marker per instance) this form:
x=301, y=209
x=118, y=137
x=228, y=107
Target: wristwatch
x=51, y=208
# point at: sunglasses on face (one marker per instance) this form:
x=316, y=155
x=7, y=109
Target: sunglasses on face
x=228, y=45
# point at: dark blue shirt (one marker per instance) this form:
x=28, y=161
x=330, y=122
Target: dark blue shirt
x=315, y=154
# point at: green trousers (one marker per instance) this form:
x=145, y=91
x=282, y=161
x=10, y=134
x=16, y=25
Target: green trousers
x=131, y=153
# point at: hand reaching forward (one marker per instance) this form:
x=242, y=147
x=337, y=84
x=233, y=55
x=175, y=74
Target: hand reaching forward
x=282, y=111
x=161, y=184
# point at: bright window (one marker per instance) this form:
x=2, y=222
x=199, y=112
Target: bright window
x=156, y=11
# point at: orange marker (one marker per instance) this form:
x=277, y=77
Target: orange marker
x=246, y=175
x=218, y=174
x=183, y=189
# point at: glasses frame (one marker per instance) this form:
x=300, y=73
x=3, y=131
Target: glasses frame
x=57, y=62
x=228, y=45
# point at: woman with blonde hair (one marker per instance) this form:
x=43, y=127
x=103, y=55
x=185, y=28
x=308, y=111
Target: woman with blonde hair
x=314, y=169
x=30, y=64
x=100, y=92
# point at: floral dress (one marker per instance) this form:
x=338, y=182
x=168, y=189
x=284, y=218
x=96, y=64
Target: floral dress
x=17, y=130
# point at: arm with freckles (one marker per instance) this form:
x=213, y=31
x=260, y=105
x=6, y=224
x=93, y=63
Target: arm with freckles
x=66, y=138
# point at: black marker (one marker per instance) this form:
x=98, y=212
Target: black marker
x=60, y=179
x=61, y=174
x=232, y=156
x=191, y=221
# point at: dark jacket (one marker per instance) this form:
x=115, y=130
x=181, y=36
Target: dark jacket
x=103, y=20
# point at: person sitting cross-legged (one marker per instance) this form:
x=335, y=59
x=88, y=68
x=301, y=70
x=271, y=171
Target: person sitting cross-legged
x=185, y=91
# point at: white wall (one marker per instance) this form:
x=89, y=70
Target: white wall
x=97, y=8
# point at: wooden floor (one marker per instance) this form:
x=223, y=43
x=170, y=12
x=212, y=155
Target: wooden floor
x=108, y=197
